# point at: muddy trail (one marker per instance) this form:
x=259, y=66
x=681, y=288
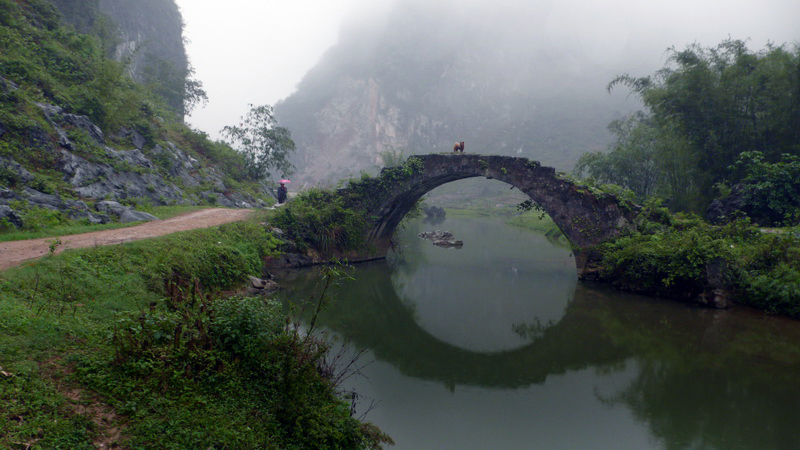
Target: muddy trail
x=16, y=252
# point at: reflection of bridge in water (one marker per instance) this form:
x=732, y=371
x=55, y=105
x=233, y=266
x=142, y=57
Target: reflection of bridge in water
x=386, y=326
x=701, y=377
x=585, y=218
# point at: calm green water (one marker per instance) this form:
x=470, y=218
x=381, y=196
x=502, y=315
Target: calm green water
x=498, y=346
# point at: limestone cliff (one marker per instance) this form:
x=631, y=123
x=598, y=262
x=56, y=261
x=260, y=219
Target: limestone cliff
x=428, y=75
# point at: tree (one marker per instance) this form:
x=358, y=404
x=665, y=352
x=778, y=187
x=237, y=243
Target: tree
x=710, y=105
x=391, y=157
x=631, y=160
x=265, y=145
x=771, y=191
x=193, y=93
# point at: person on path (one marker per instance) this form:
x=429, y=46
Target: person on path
x=282, y=192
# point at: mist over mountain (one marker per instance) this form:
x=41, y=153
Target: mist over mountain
x=506, y=80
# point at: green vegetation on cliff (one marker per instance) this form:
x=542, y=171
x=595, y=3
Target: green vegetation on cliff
x=143, y=344
x=71, y=119
x=55, y=65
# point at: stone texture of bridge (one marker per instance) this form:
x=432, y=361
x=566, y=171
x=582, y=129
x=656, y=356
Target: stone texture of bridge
x=585, y=218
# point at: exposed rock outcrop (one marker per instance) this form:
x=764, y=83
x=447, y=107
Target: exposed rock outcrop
x=73, y=209
x=261, y=286
x=125, y=214
x=98, y=172
x=11, y=173
x=8, y=215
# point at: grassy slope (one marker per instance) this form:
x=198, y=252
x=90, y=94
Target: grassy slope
x=135, y=344
x=116, y=344
x=53, y=64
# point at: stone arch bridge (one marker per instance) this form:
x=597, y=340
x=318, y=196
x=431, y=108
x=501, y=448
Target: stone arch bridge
x=585, y=218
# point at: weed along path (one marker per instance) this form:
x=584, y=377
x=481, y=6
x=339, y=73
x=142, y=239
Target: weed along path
x=15, y=253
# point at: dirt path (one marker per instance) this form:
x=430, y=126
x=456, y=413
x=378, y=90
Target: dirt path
x=16, y=252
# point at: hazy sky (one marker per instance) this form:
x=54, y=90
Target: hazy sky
x=257, y=51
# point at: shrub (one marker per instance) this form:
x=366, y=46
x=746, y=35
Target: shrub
x=324, y=220
x=763, y=270
x=245, y=326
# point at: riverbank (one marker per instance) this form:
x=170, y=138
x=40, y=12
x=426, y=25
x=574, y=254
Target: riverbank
x=529, y=220
x=687, y=259
x=675, y=256
x=145, y=344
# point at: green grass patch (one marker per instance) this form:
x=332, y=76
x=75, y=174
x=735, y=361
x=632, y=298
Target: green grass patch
x=142, y=330
x=66, y=227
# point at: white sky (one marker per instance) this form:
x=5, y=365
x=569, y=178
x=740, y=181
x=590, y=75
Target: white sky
x=257, y=51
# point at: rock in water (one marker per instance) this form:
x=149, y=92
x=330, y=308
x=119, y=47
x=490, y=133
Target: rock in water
x=441, y=238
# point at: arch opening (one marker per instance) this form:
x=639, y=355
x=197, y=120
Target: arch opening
x=586, y=219
x=448, y=191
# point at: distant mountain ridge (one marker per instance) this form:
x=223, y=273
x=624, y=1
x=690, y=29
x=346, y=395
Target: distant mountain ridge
x=428, y=75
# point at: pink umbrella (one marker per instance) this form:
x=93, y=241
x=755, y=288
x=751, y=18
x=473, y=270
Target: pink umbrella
x=285, y=181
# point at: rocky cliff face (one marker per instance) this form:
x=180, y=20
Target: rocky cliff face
x=350, y=131
x=427, y=76
x=79, y=139
x=165, y=175
x=147, y=34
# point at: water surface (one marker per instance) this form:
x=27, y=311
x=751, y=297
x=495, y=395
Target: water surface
x=497, y=345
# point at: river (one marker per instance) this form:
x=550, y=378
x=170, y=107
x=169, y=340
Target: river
x=497, y=345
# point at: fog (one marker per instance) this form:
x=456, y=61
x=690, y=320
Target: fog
x=257, y=52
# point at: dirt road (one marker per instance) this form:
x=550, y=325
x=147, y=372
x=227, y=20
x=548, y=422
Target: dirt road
x=16, y=252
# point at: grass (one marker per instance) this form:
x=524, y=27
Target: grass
x=77, y=227
x=136, y=345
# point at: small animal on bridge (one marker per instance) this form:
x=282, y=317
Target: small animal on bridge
x=458, y=147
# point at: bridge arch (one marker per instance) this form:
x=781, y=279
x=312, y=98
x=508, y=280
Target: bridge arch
x=585, y=218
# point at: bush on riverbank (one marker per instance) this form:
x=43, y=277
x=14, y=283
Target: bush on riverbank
x=762, y=269
x=322, y=219
x=132, y=344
